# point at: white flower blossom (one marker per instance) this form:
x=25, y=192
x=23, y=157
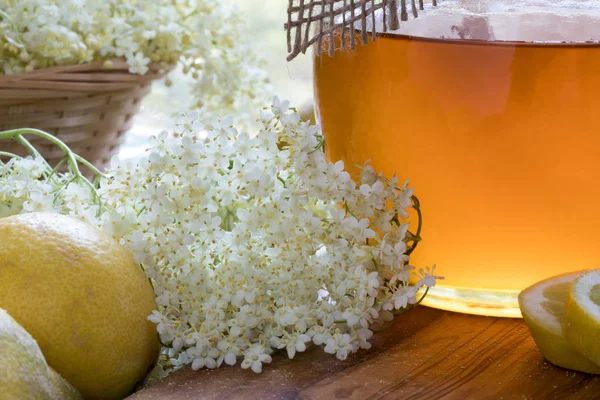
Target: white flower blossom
x=38, y=201
x=203, y=356
x=340, y=345
x=253, y=242
x=138, y=63
x=296, y=343
x=255, y=357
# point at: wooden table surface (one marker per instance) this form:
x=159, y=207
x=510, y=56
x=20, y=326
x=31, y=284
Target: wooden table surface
x=426, y=354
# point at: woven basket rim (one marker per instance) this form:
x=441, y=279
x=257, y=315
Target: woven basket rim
x=118, y=65
x=88, y=106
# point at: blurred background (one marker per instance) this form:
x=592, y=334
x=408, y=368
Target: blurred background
x=292, y=81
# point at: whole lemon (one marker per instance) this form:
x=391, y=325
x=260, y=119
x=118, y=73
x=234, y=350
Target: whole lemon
x=82, y=297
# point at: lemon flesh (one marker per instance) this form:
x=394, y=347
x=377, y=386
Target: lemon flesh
x=83, y=298
x=24, y=373
x=543, y=308
x=582, y=315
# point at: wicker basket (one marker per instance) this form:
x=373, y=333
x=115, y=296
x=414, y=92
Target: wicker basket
x=87, y=106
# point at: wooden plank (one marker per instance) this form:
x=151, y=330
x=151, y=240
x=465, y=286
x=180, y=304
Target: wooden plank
x=426, y=354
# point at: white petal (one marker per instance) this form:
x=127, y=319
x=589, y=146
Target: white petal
x=198, y=363
x=211, y=363
x=291, y=351
x=342, y=354
x=235, y=330
x=265, y=358
x=257, y=367
x=300, y=346
x=230, y=359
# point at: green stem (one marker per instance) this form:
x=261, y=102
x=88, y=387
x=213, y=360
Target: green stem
x=320, y=145
x=141, y=211
x=96, y=196
x=385, y=327
x=417, y=206
x=90, y=166
x=30, y=148
x=9, y=155
x=280, y=179
x=348, y=211
x=62, y=188
x=7, y=17
x=55, y=170
x=422, y=297
x=18, y=135
x=97, y=178
x=71, y=158
x=417, y=236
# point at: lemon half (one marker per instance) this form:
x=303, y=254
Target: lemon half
x=543, y=308
x=582, y=315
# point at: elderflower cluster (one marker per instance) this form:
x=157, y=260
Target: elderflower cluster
x=205, y=36
x=253, y=242
x=29, y=185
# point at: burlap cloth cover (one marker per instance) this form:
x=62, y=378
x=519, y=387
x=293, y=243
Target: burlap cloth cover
x=87, y=106
x=337, y=16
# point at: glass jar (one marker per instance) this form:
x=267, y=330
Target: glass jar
x=492, y=110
